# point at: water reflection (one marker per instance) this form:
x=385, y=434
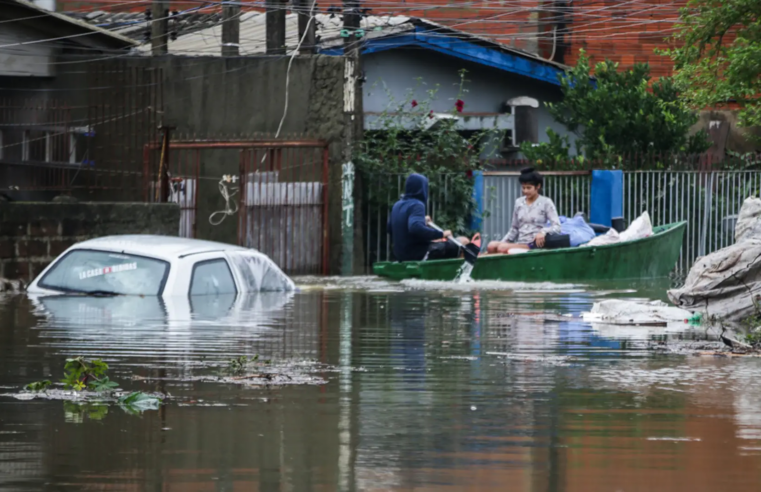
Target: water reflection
x=446, y=390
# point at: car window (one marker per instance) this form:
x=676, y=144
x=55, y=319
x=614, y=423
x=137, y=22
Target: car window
x=212, y=277
x=259, y=272
x=83, y=270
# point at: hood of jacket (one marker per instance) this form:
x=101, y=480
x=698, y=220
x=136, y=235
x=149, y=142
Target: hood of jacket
x=416, y=187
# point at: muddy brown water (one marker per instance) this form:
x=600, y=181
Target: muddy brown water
x=397, y=387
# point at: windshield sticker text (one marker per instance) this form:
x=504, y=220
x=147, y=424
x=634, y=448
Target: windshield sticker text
x=106, y=270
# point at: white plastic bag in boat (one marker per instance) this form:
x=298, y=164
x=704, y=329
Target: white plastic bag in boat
x=726, y=283
x=749, y=220
x=640, y=228
x=623, y=312
x=610, y=237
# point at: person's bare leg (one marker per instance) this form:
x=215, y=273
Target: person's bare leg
x=504, y=248
x=492, y=247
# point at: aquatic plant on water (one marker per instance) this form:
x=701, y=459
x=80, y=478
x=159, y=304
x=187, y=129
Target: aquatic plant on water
x=80, y=374
x=93, y=391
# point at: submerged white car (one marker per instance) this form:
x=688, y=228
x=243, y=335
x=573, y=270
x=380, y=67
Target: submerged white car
x=159, y=266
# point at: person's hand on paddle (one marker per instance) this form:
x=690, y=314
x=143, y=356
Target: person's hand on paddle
x=428, y=220
x=447, y=234
x=539, y=240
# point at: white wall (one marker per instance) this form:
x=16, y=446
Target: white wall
x=396, y=71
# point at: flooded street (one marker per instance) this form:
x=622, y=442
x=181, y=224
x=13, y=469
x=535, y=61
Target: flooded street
x=384, y=386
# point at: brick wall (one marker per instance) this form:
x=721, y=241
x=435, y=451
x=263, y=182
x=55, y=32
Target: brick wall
x=33, y=234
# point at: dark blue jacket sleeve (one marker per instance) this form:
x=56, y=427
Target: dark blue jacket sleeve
x=417, y=226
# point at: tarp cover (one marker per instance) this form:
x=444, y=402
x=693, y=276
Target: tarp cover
x=727, y=282
x=748, y=226
x=576, y=227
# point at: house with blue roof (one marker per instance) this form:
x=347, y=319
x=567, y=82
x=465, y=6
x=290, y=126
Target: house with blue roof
x=506, y=87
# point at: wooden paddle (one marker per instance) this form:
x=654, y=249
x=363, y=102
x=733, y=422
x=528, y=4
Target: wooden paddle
x=470, y=251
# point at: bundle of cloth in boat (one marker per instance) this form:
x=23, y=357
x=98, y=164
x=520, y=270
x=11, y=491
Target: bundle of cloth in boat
x=577, y=229
x=640, y=227
x=727, y=282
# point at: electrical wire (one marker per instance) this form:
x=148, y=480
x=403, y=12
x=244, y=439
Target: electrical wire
x=433, y=33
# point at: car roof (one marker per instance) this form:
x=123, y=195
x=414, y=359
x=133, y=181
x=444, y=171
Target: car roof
x=165, y=247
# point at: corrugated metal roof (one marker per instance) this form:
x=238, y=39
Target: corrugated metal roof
x=135, y=25
x=253, y=33
x=199, y=32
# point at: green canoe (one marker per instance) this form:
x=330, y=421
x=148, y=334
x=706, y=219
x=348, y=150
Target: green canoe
x=651, y=257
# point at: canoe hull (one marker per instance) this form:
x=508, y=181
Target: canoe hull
x=651, y=257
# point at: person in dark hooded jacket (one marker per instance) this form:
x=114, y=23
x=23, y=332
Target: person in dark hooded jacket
x=410, y=234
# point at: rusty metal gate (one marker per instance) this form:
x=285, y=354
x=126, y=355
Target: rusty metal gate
x=171, y=171
x=282, y=186
x=283, y=203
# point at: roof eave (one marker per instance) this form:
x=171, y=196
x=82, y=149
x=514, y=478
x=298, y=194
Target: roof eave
x=108, y=38
x=473, y=50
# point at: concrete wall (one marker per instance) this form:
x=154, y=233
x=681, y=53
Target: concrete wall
x=728, y=135
x=239, y=98
x=33, y=234
x=24, y=60
x=396, y=72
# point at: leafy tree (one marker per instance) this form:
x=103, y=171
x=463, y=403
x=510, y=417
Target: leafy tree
x=718, y=58
x=621, y=113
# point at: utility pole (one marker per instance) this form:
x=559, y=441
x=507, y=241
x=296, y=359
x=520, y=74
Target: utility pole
x=230, y=29
x=353, y=120
x=303, y=10
x=159, y=27
x=275, y=25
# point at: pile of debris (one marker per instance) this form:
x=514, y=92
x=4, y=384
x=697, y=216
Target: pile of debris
x=726, y=284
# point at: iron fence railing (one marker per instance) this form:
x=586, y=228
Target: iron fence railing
x=708, y=201
x=382, y=190
x=569, y=190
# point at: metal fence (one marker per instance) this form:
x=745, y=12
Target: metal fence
x=708, y=201
x=386, y=188
x=173, y=174
x=88, y=143
x=284, y=203
x=569, y=190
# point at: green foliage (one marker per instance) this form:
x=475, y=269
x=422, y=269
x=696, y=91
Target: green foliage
x=409, y=140
x=80, y=374
x=138, y=402
x=76, y=412
x=38, y=385
x=718, y=58
x=556, y=150
x=238, y=365
x=623, y=115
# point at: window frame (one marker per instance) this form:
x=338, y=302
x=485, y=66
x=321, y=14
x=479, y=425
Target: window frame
x=212, y=260
x=41, y=283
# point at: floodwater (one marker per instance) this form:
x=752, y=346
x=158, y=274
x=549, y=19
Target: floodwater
x=390, y=387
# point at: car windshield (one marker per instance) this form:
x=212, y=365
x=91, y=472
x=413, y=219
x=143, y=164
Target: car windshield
x=100, y=272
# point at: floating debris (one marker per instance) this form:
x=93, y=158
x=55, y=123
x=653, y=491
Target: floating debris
x=555, y=360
